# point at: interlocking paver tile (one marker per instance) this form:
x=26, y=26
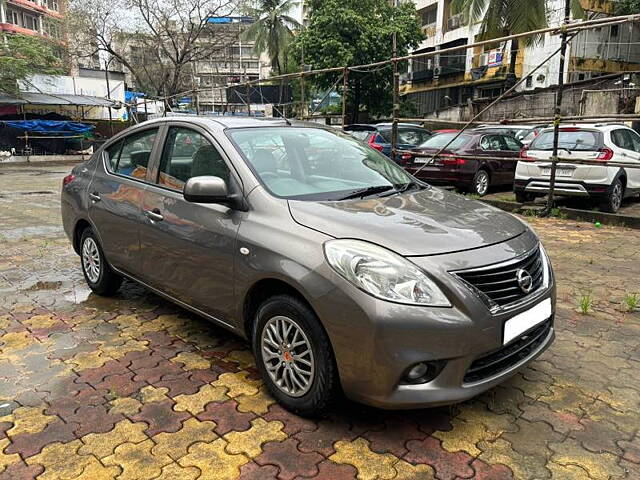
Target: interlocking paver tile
x=370, y=465
x=328, y=470
x=6, y=459
x=253, y=471
x=175, y=445
x=213, y=460
x=600, y=466
x=191, y=361
x=174, y=471
x=136, y=460
x=196, y=403
x=447, y=465
x=161, y=417
x=290, y=461
x=28, y=420
x=21, y=471
x=151, y=394
x=250, y=441
x=103, y=444
x=61, y=460
x=28, y=444
x=227, y=417
x=237, y=384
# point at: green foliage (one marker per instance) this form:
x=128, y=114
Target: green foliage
x=22, y=56
x=272, y=32
x=585, y=303
x=627, y=7
x=355, y=32
x=632, y=301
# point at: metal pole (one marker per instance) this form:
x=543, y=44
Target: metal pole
x=302, y=95
x=396, y=86
x=248, y=99
x=106, y=74
x=345, y=89
x=557, y=110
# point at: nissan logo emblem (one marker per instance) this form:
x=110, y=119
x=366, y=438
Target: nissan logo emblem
x=525, y=280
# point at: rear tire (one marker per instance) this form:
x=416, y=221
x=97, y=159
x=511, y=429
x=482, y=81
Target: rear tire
x=481, y=182
x=97, y=273
x=280, y=356
x=614, y=198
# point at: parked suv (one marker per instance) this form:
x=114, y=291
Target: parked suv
x=474, y=161
x=345, y=275
x=607, y=185
x=378, y=137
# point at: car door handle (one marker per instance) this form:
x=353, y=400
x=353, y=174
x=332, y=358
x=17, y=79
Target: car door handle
x=95, y=197
x=154, y=215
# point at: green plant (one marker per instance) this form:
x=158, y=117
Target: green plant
x=528, y=212
x=632, y=301
x=585, y=303
x=557, y=213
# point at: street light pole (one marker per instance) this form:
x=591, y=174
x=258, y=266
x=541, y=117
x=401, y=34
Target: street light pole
x=396, y=87
x=106, y=74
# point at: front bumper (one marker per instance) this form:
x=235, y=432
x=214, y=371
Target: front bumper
x=389, y=338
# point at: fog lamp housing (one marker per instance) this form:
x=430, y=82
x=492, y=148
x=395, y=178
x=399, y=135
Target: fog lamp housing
x=422, y=372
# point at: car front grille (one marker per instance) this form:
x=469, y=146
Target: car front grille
x=511, y=354
x=500, y=283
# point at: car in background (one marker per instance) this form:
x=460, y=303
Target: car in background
x=473, y=162
x=379, y=137
x=522, y=133
x=605, y=143
x=446, y=130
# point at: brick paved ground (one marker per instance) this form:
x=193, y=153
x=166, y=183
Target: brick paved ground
x=134, y=387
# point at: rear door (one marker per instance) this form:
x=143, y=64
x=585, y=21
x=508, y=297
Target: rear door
x=512, y=149
x=492, y=149
x=628, y=141
x=115, y=197
x=189, y=248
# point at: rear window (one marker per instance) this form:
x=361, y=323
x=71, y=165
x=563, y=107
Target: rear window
x=407, y=136
x=572, y=140
x=442, y=139
x=359, y=134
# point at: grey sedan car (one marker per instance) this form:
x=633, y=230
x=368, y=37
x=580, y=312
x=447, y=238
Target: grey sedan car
x=345, y=273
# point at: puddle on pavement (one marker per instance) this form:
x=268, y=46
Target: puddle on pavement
x=78, y=295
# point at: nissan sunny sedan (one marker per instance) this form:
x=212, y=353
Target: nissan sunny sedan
x=345, y=273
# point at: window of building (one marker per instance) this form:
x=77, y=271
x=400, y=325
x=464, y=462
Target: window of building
x=53, y=5
x=429, y=15
x=615, y=30
x=13, y=17
x=528, y=82
x=29, y=21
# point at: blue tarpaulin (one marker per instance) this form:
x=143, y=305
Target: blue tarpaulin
x=50, y=126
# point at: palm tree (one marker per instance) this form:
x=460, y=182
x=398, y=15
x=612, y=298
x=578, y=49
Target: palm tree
x=508, y=17
x=272, y=30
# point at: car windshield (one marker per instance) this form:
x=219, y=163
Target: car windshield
x=408, y=136
x=578, y=140
x=442, y=139
x=316, y=164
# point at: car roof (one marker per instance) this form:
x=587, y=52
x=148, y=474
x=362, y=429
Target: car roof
x=504, y=127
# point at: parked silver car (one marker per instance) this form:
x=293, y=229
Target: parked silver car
x=343, y=271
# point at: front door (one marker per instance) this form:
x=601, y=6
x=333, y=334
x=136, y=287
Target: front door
x=189, y=248
x=629, y=143
x=115, y=197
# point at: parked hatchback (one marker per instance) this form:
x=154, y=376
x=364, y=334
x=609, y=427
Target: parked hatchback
x=378, y=137
x=347, y=275
x=604, y=184
x=472, y=161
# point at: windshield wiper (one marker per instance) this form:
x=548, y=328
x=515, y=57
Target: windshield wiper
x=364, y=192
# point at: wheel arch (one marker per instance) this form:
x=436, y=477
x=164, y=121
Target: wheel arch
x=81, y=225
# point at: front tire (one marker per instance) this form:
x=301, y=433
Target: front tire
x=294, y=356
x=481, y=182
x=97, y=273
x=614, y=198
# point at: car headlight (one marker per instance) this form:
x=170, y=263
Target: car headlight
x=547, y=271
x=383, y=273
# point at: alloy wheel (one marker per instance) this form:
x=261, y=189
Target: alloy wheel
x=482, y=182
x=287, y=355
x=91, y=259
x=616, y=196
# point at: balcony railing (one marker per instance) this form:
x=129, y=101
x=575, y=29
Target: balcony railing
x=456, y=21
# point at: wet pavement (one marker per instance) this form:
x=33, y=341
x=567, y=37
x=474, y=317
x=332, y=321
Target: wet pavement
x=134, y=387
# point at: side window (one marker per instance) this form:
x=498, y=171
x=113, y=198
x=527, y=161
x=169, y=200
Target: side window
x=113, y=155
x=134, y=155
x=188, y=154
x=491, y=142
x=635, y=140
x=619, y=139
x=512, y=144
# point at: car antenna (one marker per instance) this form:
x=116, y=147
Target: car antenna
x=287, y=121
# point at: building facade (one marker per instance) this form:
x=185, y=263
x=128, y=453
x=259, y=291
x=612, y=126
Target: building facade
x=33, y=17
x=445, y=84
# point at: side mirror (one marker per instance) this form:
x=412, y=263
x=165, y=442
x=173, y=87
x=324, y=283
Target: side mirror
x=206, y=189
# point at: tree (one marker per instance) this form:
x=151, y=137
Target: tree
x=627, y=7
x=273, y=30
x=157, y=41
x=508, y=17
x=22, y=56
x=357, y=32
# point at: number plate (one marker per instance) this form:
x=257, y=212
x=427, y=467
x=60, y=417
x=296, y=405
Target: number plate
x=560, y=172
x=516, y=326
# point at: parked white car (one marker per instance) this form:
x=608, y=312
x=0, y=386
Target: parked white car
x=607, y=185
x=523, y=133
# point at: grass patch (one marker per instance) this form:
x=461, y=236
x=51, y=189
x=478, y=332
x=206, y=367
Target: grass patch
x=585, y=303
x=632, y=301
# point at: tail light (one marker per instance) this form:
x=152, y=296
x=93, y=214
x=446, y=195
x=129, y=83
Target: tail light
x=68, y=179
x=524, y=157
x=453, y=161
x=605, y=155
x=405, y=158
x=373, y=144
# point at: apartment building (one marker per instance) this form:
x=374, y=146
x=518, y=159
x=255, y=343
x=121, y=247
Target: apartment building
x=33, y=17
x=441, y=82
